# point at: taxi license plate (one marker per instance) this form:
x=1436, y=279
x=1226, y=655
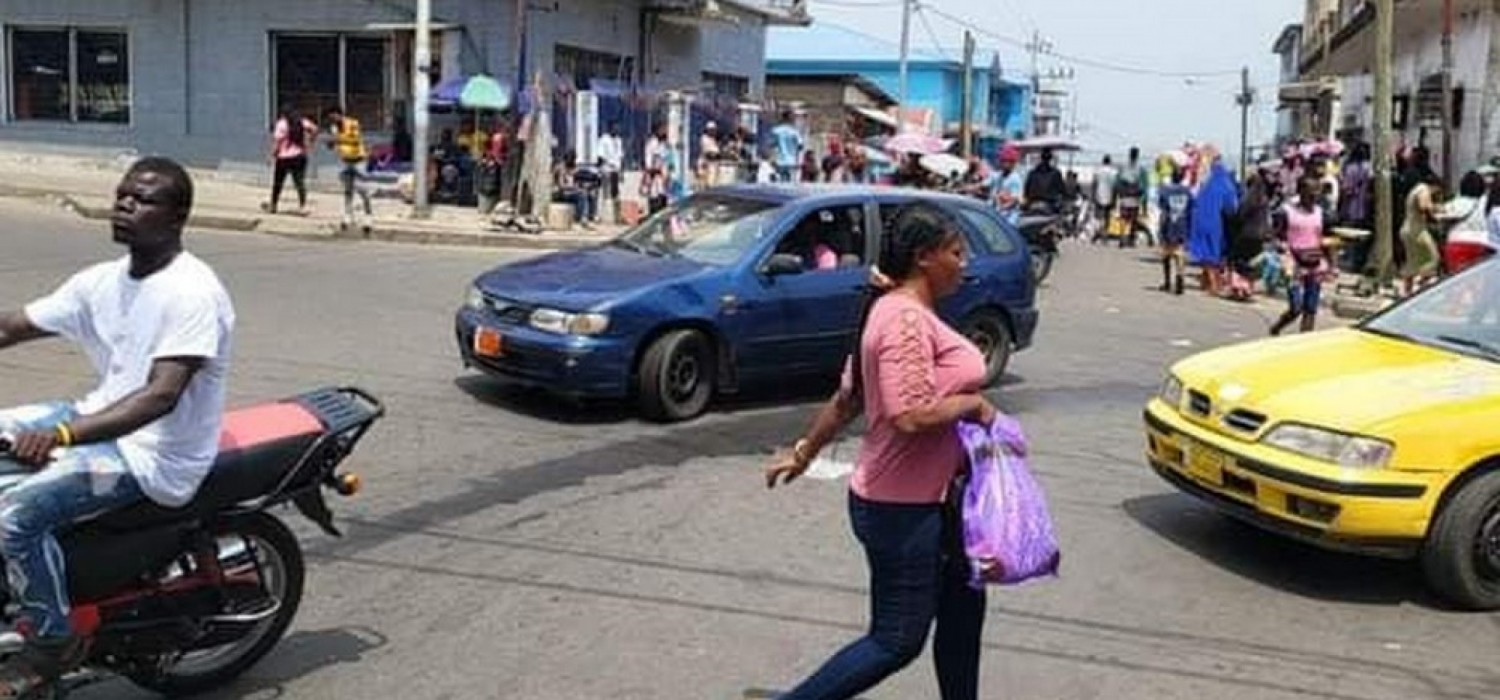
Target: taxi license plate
x=488, y=343
x=1203, y=462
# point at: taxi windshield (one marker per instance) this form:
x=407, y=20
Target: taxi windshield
x=1461, y=314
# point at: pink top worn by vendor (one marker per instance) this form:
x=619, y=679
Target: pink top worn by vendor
x=910, y=359
x=1304, y=229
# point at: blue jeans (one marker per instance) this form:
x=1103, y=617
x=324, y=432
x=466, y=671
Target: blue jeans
x=582, y=201
x=350, y=177
x=81, y=483
x=1305, y=293
x=918, y=574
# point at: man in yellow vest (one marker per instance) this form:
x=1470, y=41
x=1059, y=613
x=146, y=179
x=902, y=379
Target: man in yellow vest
x=348, y=143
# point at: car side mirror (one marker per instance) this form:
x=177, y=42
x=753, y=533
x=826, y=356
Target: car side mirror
x=783, y=264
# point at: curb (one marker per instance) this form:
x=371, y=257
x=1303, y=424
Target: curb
x=325, y=231
x=539, y=241
x=223, y=223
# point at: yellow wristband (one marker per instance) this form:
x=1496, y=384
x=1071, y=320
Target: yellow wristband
x=64, y=435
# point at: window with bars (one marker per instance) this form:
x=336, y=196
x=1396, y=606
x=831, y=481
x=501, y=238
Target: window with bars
x=313, y=72
x=726, y=85
x=70, y=74
x=582, y=65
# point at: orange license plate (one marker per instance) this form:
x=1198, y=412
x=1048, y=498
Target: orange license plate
x=488, y=343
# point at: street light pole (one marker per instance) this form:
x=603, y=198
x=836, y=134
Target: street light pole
x=421, y=85
x=1246, y=98
x=905, y=48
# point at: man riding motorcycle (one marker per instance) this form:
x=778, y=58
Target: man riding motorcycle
x=157, y=326
x=1046, y=188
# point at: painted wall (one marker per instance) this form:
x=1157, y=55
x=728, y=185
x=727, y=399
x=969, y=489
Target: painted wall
x=1475, y=69
x=201, y=69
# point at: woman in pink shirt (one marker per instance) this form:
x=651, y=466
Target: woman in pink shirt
x=916, y=379
x=1300, y=224
x=289, y=153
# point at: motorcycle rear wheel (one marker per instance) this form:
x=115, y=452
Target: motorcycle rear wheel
x=266, y=544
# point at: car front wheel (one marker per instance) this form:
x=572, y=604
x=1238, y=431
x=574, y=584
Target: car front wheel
x=989, y=332
x=676, y=376
x=1461, y=558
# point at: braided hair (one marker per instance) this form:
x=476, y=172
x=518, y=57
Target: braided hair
x=912, y=230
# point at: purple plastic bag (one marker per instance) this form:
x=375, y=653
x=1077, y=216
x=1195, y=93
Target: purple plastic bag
x=1008, y=533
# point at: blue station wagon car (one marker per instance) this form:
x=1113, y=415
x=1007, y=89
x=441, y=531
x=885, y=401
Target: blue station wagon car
x=728, y=289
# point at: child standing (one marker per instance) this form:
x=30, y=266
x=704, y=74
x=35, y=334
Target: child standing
x=1175, y=201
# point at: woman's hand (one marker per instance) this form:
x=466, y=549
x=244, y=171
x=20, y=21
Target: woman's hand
x=985, y=413
x=788, y=465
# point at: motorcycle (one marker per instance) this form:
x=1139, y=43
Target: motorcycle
x=1042, y=230
x=183, y=600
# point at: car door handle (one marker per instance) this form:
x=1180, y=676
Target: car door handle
x=971, y=279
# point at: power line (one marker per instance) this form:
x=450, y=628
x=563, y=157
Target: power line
x=1079, y=60
x=1027, y=21
x=932, y=35
x=857, y=4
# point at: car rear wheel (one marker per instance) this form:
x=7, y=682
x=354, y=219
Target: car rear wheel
x=676, y=376
x=989, y=332
x=1461, y=559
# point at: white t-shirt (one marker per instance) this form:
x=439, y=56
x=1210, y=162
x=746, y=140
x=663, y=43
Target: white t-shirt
x=612, y=151
x=1470, y=224
x=123, y=325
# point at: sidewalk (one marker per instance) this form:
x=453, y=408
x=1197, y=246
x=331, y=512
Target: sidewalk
x=230, y=199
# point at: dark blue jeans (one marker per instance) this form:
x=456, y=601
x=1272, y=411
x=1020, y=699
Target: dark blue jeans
x=918, y=574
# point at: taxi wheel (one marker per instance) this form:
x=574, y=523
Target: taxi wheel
x=1461, y=559
x=676, y=376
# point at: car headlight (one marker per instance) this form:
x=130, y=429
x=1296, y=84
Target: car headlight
x=1171, y=391
x=475, y=299
x=564, y=323
x=1330, y=446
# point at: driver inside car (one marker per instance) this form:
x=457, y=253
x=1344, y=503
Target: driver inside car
x=156, y=326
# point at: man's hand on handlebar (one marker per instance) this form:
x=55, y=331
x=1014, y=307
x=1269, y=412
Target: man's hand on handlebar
x=34, y=448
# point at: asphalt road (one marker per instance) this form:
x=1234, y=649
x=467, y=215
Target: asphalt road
x=508, y=546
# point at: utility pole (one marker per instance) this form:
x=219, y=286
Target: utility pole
x=906, y=7
x=1037, y=47
x=1245, y=99
x=1448, y=95
x=966, y=130
x=421, y=81
x=1384, y=141
x=1073, y=126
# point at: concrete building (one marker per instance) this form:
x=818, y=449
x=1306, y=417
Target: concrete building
x=202, y=79
x=1338, y=47
x=1053, y=104
x=1000, y=106
x=1295, y=103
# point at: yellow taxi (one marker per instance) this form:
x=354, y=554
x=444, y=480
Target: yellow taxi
x=1382, y=438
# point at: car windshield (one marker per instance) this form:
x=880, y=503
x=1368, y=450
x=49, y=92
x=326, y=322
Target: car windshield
x=1461, y=314
x=713, y=229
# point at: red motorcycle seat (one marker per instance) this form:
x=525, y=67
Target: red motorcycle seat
x=257, y=447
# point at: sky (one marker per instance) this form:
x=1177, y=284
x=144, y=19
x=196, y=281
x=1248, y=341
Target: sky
x=1117, y=109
